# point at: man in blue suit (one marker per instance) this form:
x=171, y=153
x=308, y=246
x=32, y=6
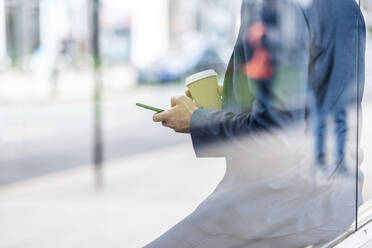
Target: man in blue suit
x=294, y=67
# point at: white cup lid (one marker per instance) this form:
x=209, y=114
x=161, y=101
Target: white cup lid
x=200, y=75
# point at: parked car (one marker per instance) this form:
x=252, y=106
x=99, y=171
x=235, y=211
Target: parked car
x=194, y=56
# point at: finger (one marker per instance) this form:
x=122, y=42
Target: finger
x=175, y=100
x=168, y=124
x=156, y=118
x=164, y=116
x=160, y=117
x=188, y=93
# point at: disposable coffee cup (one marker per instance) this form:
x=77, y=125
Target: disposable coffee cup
x=203, y=87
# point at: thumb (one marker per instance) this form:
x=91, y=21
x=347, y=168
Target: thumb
x=220, y=90
x=188, y=93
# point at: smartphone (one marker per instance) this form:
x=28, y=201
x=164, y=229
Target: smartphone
x=149, y=108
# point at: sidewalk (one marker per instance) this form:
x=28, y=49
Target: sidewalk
x=143, y=197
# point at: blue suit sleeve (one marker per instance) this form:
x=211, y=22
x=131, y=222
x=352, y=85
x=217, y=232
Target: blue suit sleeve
x=215, y=133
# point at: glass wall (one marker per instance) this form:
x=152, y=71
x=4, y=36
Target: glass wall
x=250, y=136
x=366, y=131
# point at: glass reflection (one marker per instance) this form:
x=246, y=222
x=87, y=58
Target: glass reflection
x=296, y=74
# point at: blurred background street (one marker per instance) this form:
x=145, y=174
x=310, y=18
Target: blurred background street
x=41, y=138
x=47, y=81
x=48, y=117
